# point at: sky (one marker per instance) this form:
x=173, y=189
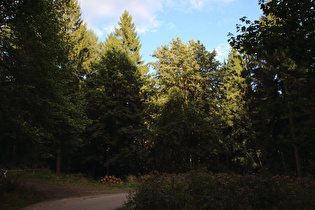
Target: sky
x=159, y=21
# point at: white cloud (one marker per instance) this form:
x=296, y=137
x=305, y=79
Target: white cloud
x=170, y=26
x=98, y=32
x=222, y=51
x=109, y=29
x=104, y=14
x=188, y=5
x=197, y=3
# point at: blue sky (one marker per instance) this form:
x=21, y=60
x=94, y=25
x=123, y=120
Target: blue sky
x=159, y=21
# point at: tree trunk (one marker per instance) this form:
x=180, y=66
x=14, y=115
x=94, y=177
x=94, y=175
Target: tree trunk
x=296, y=151
x=58, y=159
x=297, y=162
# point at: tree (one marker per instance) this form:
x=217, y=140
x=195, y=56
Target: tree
x=282, y=41
x=127, y=116
x=82, y=52
x=32, y=84
x=83, y=47
x=40, y=110
x=126, y=37
x=113, y=95
x=186, y=116
x=235, y=101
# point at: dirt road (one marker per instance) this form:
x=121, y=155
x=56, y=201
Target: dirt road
x=65, y=197
x=96, y=202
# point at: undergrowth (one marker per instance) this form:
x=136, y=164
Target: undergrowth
x=49, y=177
x=200, y=190
x=14, y=196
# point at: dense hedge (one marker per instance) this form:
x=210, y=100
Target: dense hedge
x=200, y=190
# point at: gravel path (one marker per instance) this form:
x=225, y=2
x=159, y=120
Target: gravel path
x=65, y=197
x=96, y=202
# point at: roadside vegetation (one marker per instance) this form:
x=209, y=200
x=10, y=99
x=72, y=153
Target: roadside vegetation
x=191, y=190
x=15, y=195
x=201, y=190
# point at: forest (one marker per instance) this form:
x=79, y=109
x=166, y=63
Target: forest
x=76, y=105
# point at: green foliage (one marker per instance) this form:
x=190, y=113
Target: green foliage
x=185, y=118
x=113, y=95
x=93, y=108
x=47, y=176
x=40, y=113
x=281, y=45
x=235, y=101
x=32, y=84
x=114, y=98
x=200, y=190
x=125, y=37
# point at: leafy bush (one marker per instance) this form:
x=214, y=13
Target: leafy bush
x=200, y=190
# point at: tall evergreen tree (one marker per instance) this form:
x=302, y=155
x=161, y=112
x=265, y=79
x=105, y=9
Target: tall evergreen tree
x=83, y=46
x=39, y=113
x=32, y=82
x=235, y=101
x=126, y=37
x=82, y=52
x=185, y=114
x=114, y=103
x=113, y=95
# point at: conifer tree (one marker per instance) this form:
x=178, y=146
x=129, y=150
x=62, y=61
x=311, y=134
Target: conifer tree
x=185, y=115
x=236, y=92
x=115, y=103
x=83, y=46
x=126, y=37
x=82, y=50
x=33, y=106
x=113, y=95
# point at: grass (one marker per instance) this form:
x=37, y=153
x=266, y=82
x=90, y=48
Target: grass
x=48, y=177
x=14, y=195
x=80, y=180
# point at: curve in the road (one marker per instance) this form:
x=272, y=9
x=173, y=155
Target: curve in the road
x=97, y=202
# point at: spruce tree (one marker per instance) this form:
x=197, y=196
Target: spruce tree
x=185, y=115
x=126, y=37
x=115, y=102
x=32, y=82
x=235, y=102
x=81, y=49
x=114, y=106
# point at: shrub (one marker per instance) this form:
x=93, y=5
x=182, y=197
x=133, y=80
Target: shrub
x=200, y=190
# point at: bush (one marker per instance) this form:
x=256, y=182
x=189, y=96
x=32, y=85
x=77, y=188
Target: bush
x=200, y=190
